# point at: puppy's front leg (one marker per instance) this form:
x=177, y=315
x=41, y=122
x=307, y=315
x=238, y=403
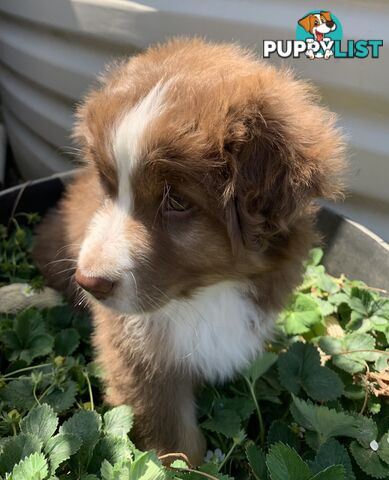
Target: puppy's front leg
x=165, y=417
x=162, y=400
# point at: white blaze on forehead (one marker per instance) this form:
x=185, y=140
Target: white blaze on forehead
x=128, y=140
x=106, y=250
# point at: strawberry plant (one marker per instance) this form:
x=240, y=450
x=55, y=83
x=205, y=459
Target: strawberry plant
x=315, y=406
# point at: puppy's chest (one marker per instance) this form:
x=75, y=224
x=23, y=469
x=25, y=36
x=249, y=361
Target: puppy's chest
x=214, y=334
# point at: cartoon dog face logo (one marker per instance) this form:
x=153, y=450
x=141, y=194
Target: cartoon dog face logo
x=318, y=25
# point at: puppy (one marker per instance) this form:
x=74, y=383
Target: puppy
x=318, y=24
x=188, y=224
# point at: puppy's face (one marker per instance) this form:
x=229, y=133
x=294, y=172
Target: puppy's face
x=200, y=175
x=318, y=24
x=160, y=231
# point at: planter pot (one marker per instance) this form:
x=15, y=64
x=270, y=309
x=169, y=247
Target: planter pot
x=349, y=247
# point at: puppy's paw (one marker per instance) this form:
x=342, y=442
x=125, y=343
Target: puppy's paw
x=328, y=54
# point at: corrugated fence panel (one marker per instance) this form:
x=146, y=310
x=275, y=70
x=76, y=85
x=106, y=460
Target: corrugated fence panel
x=51, y=51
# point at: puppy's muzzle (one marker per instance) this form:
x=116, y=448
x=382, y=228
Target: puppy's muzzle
x=99, y=287
x=330, y=23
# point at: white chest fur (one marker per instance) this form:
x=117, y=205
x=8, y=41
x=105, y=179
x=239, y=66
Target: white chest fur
x=215, y=333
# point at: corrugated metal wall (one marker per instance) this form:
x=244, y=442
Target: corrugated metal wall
x=51, y=51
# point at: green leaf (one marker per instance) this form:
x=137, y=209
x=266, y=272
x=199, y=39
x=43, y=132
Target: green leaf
x=112, y=448
x=338, y=298
x=33, y=467
x=279, y=431
x=210, y=469
x=316, y=277
x=300, y=367
x=383, y=448
x=315, y=256
x=31, y=333
x=60, y=448
x=147, y=467
x=28, y=324
x=41, y=422
x=243, y=406
x=66, y=342
x=226, y=422
x=16, y=449
x=326, y=308
x=257, y=461
x=284, y=463
x=351, y=362
x=333, y=453
x=325, y=422
x=18, y=394
x=11, y=342
x=120, y=471
x=301, y=315
x=59, y=317
x=382, y=362
x=118, y=421
x=62, y=397
x=260, y=366
x=367, y=430
x=369, y=461
x=87, y=426
x=336, y=472
x=38, y=346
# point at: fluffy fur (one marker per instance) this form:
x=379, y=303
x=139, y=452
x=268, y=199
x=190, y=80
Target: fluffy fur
x=195, y=200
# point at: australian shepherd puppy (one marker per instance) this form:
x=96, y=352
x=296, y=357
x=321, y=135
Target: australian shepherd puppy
x=188, y=224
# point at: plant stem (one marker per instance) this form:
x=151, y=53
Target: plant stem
x=228, y=455
x=366, y=393
x=27, y=369
x=373, y=350
x=192, y=470
x=34, y=393
x=260, y=419
x=92, y=404
x=50, y=387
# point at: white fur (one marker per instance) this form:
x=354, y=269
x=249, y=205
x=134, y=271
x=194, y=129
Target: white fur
x=105, y=251
x=128, y=140
x=217, y=332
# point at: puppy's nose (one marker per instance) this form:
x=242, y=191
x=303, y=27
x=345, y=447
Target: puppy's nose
x=99, y=287
x=329, y=23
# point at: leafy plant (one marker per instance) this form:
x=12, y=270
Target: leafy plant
x=315, y=406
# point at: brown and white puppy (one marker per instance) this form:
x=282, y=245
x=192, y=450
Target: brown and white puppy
x=189, y=222
x=318, y=25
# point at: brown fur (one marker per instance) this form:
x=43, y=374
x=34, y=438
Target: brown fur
x=251, y=148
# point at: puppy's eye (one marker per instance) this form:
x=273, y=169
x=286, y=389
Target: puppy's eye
x=176, y=203
x=316, y=22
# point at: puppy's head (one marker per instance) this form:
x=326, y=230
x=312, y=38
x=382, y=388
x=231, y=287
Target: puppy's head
x=318, y=24
x=206, y=161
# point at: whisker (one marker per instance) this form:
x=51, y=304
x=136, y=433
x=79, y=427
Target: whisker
x=71, y=269
x=66, y=246
x=61, y=260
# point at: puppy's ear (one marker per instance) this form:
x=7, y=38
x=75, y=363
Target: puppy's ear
x=306, y=22
x=326, y=15
x=282, y=151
